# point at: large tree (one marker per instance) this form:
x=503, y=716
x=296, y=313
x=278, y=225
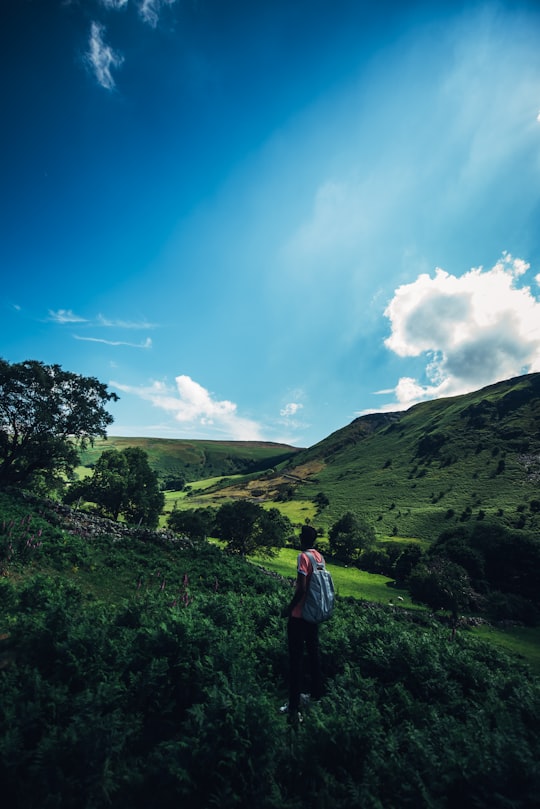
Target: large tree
x=248, y=528
x=195, y=523
x=123, y=483
x=46, y=415
x=350, y=535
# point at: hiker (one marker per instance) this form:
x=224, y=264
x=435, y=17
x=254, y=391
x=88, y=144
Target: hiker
x=302, y=633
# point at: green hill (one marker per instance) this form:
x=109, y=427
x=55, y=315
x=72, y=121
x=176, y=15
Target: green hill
x=469, y=457
x=194, y=460
x=412, y=474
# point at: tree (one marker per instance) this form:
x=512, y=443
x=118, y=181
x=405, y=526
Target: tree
x=247, y=528
x=349, y=536
x=321, y=501
x=46, y=415
x=195, y=523
x=123, y=483
x=407, y=561
x=441, y=584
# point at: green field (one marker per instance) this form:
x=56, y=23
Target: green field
x=522, y=641
x=348, y=581
x=355, y=583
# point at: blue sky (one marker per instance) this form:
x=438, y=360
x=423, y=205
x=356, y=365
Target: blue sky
x=258, y=220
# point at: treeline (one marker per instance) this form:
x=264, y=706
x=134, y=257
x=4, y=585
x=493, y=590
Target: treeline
x=483, y=567
x=141, y=673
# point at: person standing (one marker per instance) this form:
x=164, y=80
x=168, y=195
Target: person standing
x=301, y=634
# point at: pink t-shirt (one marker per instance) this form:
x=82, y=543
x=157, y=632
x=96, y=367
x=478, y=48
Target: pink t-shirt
x=305, y=567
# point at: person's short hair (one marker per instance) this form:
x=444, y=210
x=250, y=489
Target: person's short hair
x=308, y=535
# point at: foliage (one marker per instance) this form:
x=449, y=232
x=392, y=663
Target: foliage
x=503, y=565
x=173, y=483
x=441, y=584
x=122, y=483
x=45, y=415
x=168, y=695
x=195, y=523
x=248, y=528
x=349, y=535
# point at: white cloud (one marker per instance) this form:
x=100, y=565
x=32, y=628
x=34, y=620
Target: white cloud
x=65, y=316
x=472, y=331
x=290, y=409
x=124, y=324
x=101, y=57
x=146, y=344
x=194, y=407
x=68, y=316
x=114, y=4
x=150, y=10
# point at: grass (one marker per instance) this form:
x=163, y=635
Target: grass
x=522, y=641
x=348, y=581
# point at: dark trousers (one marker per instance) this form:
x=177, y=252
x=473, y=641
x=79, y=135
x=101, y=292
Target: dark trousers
x=302, y=634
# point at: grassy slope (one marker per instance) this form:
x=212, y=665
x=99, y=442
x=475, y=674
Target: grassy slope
x=455, y=454
x=351, y=582
x=197, y=459
x=384, y=466
x=416, y=473
x=105, y=572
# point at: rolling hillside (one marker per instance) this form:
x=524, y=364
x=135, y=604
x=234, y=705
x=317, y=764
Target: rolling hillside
x=194, y=460
x=469, y=457
x=412, y=474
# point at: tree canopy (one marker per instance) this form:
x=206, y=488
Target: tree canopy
x=195, y=523
x=123, y=483
x=349, y=535
x=248, y=528
x=46, y=415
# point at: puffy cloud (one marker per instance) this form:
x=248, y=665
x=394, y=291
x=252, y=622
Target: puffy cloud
x=101, y=57
x=473, y=330
x=193, y=406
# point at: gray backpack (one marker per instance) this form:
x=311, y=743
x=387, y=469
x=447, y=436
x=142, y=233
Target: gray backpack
x=319, y=603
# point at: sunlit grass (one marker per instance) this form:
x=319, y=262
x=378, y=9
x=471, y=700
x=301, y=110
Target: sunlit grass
x=298, y=511
x=348, y=581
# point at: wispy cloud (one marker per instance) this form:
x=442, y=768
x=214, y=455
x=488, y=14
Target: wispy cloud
x=151, y=9
x=114, y=4
x=472, y=330
x=124, y=324
x=145, y=344
x=101, y=57
x=68, y=316
x=194, y=407
x=65, y=316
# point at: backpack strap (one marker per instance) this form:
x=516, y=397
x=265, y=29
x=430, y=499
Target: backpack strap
x=314, y=563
